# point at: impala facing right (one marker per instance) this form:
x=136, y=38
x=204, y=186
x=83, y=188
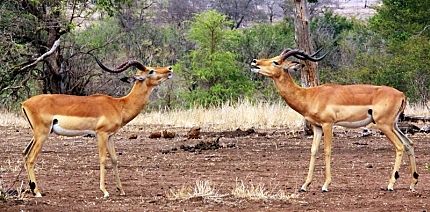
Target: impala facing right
x=343, y=105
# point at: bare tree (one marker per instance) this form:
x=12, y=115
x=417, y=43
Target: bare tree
x=274, y=9
x=240, y=11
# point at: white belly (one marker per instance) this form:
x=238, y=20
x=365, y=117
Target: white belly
x=73, y=126
x=66, y=132
x=355, y=124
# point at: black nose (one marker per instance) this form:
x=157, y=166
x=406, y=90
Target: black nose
x=254, y=60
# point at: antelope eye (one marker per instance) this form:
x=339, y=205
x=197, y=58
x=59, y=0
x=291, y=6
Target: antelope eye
x=151, y=72
x=276, y=63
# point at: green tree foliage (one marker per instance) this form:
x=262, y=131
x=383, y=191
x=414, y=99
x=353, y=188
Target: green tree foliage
x=404, y=26
x=406, y=69
x=30, y=28
x=213, y=72
x=328, y=29
x=347, y=40
x=392, y=49
x=400, y=19
x=262, y=41
x=211, y=61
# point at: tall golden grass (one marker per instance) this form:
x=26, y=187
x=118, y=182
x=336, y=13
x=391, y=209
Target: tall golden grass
x=242, y=115
x=227, y=116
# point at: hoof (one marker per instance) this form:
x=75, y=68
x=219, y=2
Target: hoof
x=302, y=190
x=387, y=189
x=121, y=192
x=324, y=190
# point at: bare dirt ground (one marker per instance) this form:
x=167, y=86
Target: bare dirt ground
x=67, y=171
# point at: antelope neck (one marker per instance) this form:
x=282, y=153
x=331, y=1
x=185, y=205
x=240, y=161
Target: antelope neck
x=294, y=95
x=135, y=101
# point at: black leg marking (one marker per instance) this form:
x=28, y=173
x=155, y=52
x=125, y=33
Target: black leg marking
x=370, y=112
x=32, y=185
x=25, y=113
x=416, y=175
x=27, y=149
x=396, y=175
x=54, y=122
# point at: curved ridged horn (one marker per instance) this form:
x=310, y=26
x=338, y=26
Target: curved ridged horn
x=299, y=54
x=312, y=55
x=124, y=66
x=285, y=51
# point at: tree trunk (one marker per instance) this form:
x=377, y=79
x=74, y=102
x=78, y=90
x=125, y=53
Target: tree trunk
x=309, y=73
x=54, y=81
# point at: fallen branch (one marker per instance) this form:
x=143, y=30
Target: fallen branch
x=413, y=118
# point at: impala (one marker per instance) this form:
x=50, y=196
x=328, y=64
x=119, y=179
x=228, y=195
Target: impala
x=99, y=115
x=343, y=105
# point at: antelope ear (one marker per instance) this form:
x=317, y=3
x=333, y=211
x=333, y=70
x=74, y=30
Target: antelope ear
x=133, y=79
x=127, y=79
x=293, y=68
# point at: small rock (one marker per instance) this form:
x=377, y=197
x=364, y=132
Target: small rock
x=167, y=134
x=132, y=136
x=155, y=135
x=194, y=133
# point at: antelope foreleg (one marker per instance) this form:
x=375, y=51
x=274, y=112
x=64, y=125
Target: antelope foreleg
x=102, y=141
x=314, y=150
x=328, y=136
x=114, y=159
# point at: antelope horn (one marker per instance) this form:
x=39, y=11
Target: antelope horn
x=312, y=55
x=300, y=57
x=285, y=51
x=299, y=54
x=124, y=66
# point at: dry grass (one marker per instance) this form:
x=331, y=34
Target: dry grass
x=227, y=116
x=259, y=192
x=418, y=109
x=11, y=119
x=204, y=189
